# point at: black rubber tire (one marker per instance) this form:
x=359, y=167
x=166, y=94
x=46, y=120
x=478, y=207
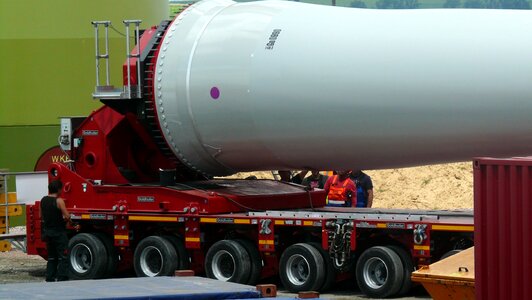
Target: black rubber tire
x=450, y=253
x=408, y=268
x=155, y=256
x=228, y=260
x=376, y=284
x=112, y=254
x=87, y=257
x=183, y=259
x=330, y=271
x=255, y=260
x=302, y=268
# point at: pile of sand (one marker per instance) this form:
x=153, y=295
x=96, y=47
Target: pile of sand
x=445, y=186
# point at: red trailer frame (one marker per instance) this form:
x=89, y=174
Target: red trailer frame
x=264, y=213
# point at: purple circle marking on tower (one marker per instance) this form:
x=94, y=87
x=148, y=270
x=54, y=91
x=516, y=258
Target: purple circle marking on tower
x=215, y=93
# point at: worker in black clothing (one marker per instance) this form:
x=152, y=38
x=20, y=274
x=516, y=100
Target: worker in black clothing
x=54, y=218
x=315, y=180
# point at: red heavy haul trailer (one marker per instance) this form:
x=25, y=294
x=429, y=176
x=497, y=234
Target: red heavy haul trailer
x=222, y=228
x=228, y=87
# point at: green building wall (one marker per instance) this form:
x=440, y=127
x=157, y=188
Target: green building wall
x=47, y=68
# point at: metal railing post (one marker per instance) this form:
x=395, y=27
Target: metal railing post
x=99, y=56
x=129, y=55
x=6, y=198
x=137, y=33
x=96, y=43
x=108, y=74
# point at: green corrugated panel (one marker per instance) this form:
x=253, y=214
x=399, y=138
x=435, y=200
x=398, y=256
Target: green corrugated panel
x=48, y=68
x=48, y=54
x=21, y=146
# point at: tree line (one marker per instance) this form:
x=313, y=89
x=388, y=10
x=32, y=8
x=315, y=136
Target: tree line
x=409, y=4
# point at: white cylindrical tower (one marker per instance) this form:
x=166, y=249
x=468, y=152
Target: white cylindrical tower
x=284, y=85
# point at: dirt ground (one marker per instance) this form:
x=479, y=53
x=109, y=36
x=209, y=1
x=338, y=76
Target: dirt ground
x=17, y=266
x=446, y=186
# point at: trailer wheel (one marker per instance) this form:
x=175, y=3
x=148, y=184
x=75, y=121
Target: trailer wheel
x=112, y=254
x=379, y=272
x=155, y=256
x=228, y=260
x=330, y=271
x=408, y=268
x=301, y=268
x=183, y=259
x=255, y=259
x=87, y=257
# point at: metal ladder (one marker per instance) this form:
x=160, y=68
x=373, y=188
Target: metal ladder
x=108, y=91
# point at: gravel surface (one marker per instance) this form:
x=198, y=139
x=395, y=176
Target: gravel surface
x=17, y=266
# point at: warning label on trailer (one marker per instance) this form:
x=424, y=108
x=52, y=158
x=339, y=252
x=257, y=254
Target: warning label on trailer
x=224, y=220
x=90, y=132
x=365, y=225
x=146, y=199
x=98, y=216
x=396, y=225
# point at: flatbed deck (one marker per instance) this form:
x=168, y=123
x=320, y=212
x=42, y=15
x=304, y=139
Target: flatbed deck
x=413, y=215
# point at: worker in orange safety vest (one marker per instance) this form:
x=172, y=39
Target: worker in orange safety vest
x=341, y=190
